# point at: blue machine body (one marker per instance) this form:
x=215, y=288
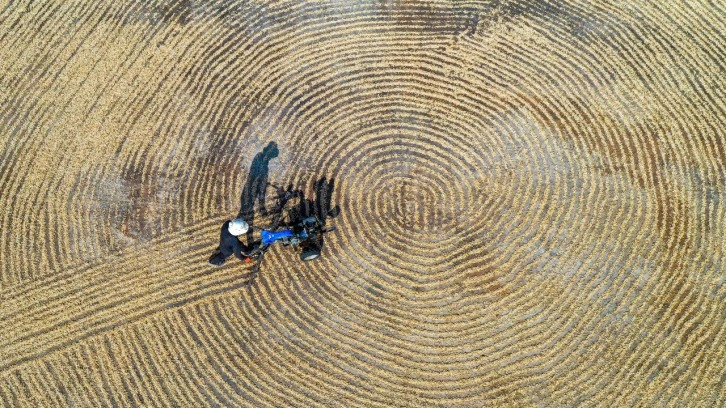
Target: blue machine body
x=270, y=237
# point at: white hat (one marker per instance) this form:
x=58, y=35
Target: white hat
x=238, y=227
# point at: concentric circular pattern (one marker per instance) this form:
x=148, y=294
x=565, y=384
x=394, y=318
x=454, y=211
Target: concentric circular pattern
x=532, y=200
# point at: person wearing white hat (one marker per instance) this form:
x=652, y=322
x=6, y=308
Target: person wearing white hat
x=229, y=243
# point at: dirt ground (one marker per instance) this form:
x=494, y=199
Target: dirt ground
x=532, y=203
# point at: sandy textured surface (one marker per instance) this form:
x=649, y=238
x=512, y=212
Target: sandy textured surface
x=533, y=203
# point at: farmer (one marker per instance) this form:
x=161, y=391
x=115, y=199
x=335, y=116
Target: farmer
x=228, y=242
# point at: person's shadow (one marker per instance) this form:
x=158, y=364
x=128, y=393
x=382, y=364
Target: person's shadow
x=255, y=188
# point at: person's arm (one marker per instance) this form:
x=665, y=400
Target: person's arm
x=255, y=249
x=237, y=248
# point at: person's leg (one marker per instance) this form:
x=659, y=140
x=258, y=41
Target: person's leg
x=217, y=259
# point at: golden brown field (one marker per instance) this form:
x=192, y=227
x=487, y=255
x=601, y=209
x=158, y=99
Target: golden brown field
x=533, y=201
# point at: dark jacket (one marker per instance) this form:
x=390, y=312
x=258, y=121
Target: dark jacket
x=229, y=244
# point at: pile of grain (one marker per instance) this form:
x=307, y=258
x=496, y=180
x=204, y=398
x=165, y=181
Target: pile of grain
x=532, y=202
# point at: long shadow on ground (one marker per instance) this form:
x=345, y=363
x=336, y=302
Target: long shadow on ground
x=255, y=188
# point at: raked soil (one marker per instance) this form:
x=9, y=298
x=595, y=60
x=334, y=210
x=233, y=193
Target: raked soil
x=532, y=195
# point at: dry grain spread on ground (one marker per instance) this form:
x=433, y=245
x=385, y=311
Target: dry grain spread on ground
x=533, y=203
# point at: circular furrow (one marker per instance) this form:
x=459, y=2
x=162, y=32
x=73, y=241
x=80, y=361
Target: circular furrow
x=19, y=163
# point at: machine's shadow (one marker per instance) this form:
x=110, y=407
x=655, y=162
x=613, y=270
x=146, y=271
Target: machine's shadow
x=291, y=209
x=320, y=207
